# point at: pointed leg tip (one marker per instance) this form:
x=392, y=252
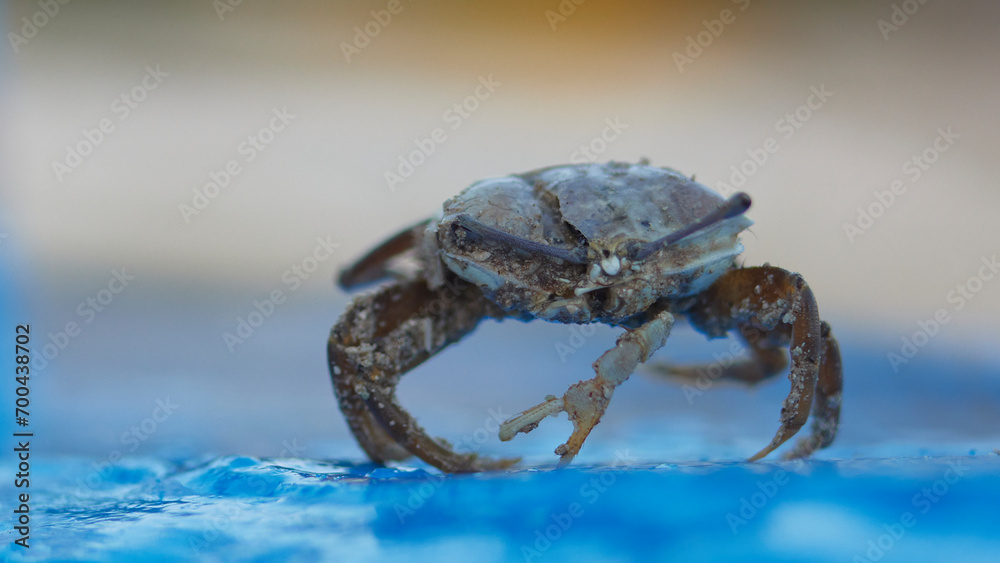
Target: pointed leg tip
x=564, y=459
x=509, y=462
x=806, y=448
x=763, y=453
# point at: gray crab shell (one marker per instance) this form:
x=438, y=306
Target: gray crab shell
x=603, y=207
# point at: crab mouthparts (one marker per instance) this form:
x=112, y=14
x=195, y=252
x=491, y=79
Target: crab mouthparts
x=611, y=265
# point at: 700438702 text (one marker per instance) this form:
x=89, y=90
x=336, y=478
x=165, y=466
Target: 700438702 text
x=22, y=359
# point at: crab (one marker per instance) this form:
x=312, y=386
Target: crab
x=630, y=245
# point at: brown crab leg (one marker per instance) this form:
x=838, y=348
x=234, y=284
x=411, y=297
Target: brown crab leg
x=826, y=405
x=586, y=401
x=372, y=266
x=767, y=359
x=782, y=304
x=382, y=336
x=375, y=441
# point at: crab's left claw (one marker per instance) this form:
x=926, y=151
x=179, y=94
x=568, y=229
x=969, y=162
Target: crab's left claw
x=381, y=337
x=586, y=401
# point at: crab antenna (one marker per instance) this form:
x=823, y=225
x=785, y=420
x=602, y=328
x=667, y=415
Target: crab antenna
x=576, y=256
x=737, y=204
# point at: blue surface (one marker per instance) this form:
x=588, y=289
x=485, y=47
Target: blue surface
x=912, y=476
x=246, y=509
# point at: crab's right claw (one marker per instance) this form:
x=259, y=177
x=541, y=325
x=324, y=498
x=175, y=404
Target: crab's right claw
x=584, y=402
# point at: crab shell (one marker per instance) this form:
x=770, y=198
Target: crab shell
x=609, y=210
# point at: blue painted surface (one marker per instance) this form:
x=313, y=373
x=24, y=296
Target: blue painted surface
x=247, y=509
x=912, y=476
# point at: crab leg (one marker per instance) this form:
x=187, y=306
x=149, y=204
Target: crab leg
x=780, y=303
x=372, y=266
x=826, y=405
x=382, y=336
x=586, y=401
x=767, y=359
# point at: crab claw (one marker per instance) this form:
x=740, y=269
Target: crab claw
x=529, y=419
x=584, y=402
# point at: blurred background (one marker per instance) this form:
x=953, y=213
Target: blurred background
x=168, y=166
